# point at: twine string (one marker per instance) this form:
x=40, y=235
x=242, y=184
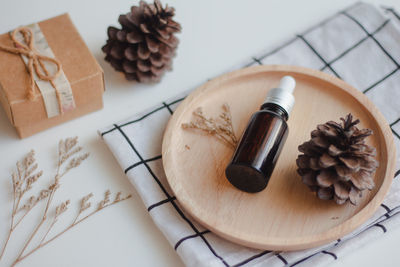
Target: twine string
x=35, y=60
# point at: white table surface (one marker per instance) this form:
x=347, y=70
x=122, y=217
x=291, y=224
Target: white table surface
x=216, y=35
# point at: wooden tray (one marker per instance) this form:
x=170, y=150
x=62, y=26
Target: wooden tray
x=286, y=215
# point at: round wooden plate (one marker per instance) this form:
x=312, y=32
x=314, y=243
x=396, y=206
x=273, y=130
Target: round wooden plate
x=286, y=215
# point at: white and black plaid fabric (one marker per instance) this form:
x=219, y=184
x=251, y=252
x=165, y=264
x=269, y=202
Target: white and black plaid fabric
x=360, y=45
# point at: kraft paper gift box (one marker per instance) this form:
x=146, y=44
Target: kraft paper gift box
x=81, y=79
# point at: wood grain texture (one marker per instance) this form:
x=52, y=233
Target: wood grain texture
x=286, y=215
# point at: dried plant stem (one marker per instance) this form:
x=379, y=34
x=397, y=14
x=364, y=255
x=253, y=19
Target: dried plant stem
x=227, y=127
x=5, y=243
x=221, y=128
x=17, y=196
x=23, y=216
x=73, y=224
x=54, y=187
x=34, y=232
x=10, y=230
x=48, y=230
x=23, y=180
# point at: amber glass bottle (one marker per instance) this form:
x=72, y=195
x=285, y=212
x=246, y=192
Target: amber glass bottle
x=262, y=141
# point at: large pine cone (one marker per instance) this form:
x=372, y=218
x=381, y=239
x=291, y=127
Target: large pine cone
x=337, y=164
x=143, y=49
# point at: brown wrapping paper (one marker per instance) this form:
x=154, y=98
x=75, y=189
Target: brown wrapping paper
x=80, y=67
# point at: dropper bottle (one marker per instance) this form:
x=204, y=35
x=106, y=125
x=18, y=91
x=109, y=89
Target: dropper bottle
x=262, y=141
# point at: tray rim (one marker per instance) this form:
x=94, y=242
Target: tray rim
x=296, y=243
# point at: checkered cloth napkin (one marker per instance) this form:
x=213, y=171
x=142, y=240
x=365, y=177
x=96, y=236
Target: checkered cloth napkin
x=360, y=45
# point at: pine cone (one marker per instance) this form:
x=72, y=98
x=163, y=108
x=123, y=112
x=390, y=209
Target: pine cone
x=143, y=49
x=336, y=163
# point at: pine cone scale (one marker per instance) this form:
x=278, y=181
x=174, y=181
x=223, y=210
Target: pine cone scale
x=143, y=53
x=117, y=52
x=144, y=28
x=134, y=37
x=354, y=196
x=130, y=54
x=107, y=48
x=325, y=193
x=342, y=190
x=343, y=172
x=325, y=178
x=143, y=66
x=134, y=16
x=121, y=36
x=129, y=67
x=314, y=165
x=173, y=26
x=126, y=23
x=156, y=60
x=112, y=32
x=171, y=42
x=351, y=163
x=334, y=151
x=163, y=33
x=326, y=161
x=116, y=64
x=152, y=44
x=156, y=71
x=309, y=178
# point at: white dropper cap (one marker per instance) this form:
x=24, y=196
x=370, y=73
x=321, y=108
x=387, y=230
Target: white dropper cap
x=283, y=94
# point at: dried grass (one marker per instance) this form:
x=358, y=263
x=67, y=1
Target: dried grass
x=25, y=178
x=220, y=127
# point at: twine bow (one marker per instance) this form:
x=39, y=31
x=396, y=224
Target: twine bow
x=35, y=59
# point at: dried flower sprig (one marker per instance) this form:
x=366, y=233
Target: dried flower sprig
x=22, y=181
x=25, y=178
x=221, y=127
x=63, y=207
